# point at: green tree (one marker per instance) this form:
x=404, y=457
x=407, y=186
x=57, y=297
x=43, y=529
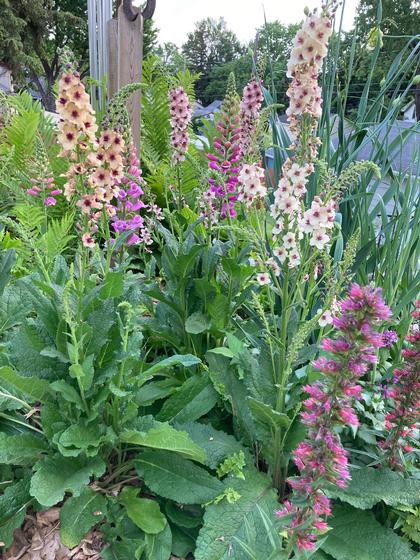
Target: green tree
x=273, y=44
x=172, y=57
x=400, y=20
x=150, y=35
x=32, y=34
x=210, y=44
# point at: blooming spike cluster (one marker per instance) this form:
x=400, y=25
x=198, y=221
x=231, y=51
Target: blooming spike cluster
x=45, y=189
x=180, y=111
x=250, y=186
x=219, y=199
x=291, y=221
x=317, y=221
x=128, y=216
x=321, y=458
x=250, y=108
x=402, y=420
x=77, y=125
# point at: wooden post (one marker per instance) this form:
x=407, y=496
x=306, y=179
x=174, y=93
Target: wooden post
x=125, y=36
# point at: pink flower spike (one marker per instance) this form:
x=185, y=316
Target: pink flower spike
x=50, y=201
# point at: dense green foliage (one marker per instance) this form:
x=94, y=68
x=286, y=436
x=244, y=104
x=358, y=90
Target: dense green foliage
x=151, y=393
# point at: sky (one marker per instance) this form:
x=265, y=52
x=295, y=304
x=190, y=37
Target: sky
x=175, y=18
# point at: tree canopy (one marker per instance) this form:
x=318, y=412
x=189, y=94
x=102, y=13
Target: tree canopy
x=32, y=34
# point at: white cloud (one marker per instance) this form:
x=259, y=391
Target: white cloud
x=175, y=18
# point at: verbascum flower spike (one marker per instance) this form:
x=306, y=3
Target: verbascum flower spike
x=292, y=222
x=181, y=113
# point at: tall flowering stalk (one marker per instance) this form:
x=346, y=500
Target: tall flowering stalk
x=250, y=108
x=321, y=458
x=404, y=416
x=292, y=222
x=218, y=201
x=180, y=111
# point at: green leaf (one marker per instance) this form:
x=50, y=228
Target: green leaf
x=21, y=449
x=184, y=516
x=227, y=524
x=144, y=513
x=156, y=390
x=123, y=550
x=13, y=503
x=7, y=262
x=357, y=534
x=191, y=401
x=176, y=478
x=68, y=392
x=80, y=438
x=186, y=360
x=158, y=547
x=197, y=323
x=33, y=387
x=57, y=475
x=164, y=436
x=79, y=514
x=267, y=416
x=113, y=286
x=223, y=351
x=182, y=543
x=218, y=445
x=369, y=486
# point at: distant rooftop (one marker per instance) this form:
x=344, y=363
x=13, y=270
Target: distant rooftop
x=200, y=111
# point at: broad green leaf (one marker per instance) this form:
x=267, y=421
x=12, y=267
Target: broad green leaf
x=184, y=516
x=80, y=438
x=57, y=475
x=186, y=360
x=13, y=503
x=182, y=543
x=113, y=285
x=79, y=514
x=357, y=535
x=164, y=436
x=191, y=401
x=226, y=525
x=21, y=449
x=223, y=351
x=158, y=547
x=68, y=392
x=264, y=414
x=197, y=323
x=176, y=478
x=144, y=513
x=7, y=262
x=123, y=550
x=369, y=486
x=33, y=387
x=156, y=390
x=218, y=445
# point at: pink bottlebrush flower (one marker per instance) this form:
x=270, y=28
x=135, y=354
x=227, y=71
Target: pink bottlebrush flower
x=404, y=415
x=321, y=458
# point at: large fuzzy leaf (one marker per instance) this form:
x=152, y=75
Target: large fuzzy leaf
x=57, y=475
x=178, y=479
x=33, y=387
x=79, y=514
x=191, y=401
x=13, y=504
x=164, y=436
x=218, y=445
x=227, y=525
x=143, y=512
x=21, y=449
x=369, y=486
x=357, y=535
